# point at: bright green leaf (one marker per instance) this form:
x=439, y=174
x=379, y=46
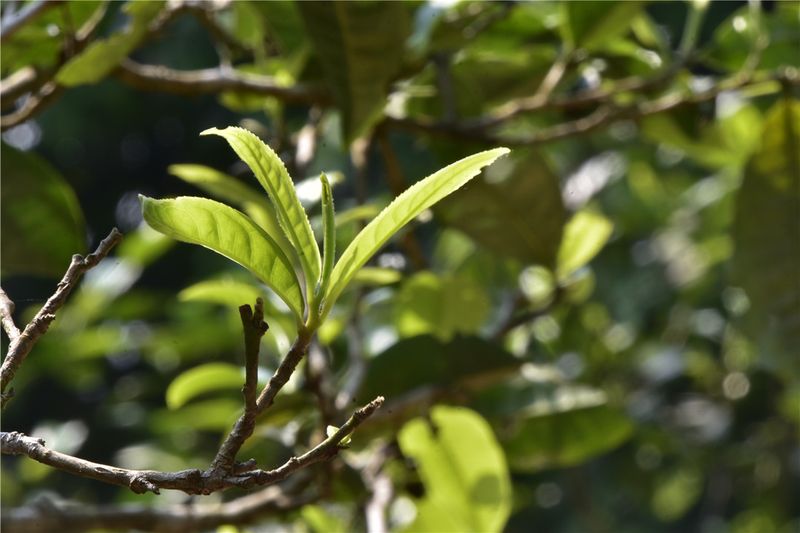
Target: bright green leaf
x=766, y=231
x=360, y=47
x=400, y=212
x=463, y=469
x=584, y=236
x=232, y=190
x=42, y=223
x=202, y=379
x=272, y=175
x=377, y=276
x=230, y=233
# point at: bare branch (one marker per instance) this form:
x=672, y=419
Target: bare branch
x=254, y=330
x=16, y=21
x=602, y=116
x=192, y=481
x=214, y=80
x=35, y=103
x=47, y=516
x=22, y=345
x=6, y=314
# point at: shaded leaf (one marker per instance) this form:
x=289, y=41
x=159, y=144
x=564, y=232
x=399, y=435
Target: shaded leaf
x=201, y=380
x=441, y=306
x=549, y=423
x=766, y=231
x=519, y=216
x=42, y=223
x=360, y=46
x=400, y=212
x=103, y=55
x=227, y=292
x=272, y=175
x=230, y=233
x=425, y=361
x=594, y=24
x=467, y=486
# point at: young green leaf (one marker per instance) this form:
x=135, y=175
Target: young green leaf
x=584, y=236
x=231, y=190
x=329, y=235
x=230, y=233
x=272, y=175
x=400, y=212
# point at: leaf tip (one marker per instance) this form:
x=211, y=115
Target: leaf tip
x=211, y=131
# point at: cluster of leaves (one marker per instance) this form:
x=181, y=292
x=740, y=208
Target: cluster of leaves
x=620, y=307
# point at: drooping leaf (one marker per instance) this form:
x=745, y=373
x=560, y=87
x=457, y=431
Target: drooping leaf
x=427, y=361
x=584, y=236
x=272, y=175
x=550, y=423
x=519, y=216
x=593, y=24
x=441, y=306
x=42, y=223
x=232, y=190
x=400, y=212
x=202, y=379
x=467, y=486
x=766, y=231
x=102, y=56
x=230, y=233
x=360, y=46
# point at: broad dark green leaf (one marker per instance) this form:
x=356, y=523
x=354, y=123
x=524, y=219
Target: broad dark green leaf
x=766, y=234
x=515, y=211
x=400, y=212
x=230, y=233
x=103, y=56
x=42, y=223
x=441, y=306
x=593, y=24
x=426, y=361
x=549, y=423
x=202, y=379
x=272, y=175
x=360, y=47
x=467, y=485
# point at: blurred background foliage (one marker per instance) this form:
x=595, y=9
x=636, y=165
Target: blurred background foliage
x=598, y=334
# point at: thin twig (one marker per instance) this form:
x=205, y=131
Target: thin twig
x=254, y=329
x=34, y=104
x=214, y=80
x=191, y=481
x=45, y=516
x=6, y=314
x=22, y=345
